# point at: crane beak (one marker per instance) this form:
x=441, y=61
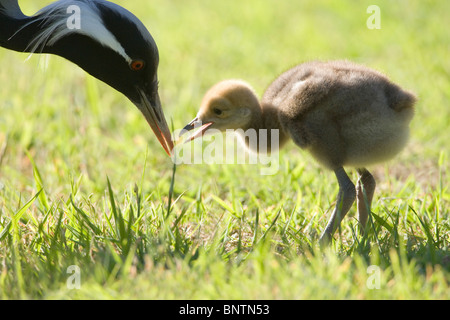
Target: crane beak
x=152, y=111
x=199, y=126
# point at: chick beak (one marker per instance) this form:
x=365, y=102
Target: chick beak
x=198, y=125
x=152, y=111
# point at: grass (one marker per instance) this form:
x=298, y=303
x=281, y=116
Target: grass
x=84, y=183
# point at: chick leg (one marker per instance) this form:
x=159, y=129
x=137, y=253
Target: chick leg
x=345, y=199
x=365, y=188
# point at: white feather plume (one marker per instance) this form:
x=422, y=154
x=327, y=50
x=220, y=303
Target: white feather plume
x=54, y=17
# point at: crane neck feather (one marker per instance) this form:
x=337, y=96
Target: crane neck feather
x=53, y=20
x=50, y=24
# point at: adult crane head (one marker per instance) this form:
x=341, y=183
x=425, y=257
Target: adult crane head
x=101, y=37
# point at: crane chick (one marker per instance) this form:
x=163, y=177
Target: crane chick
x=343, y=113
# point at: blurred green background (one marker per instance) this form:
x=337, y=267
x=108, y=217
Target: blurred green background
x=79, y=131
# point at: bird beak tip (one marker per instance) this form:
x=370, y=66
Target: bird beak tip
x=194, y=124
x=165, y=139
x=169, y=148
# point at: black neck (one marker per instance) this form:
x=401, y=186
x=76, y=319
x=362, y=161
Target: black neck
x=18, y=32
x=11, y=26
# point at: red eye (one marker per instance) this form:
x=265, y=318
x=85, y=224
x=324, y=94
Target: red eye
x=137, y=65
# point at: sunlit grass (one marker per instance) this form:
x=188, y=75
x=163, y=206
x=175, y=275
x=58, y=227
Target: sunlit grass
x=83, y=181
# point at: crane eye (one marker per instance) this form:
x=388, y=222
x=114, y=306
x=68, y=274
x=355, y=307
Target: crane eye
x=137, y=65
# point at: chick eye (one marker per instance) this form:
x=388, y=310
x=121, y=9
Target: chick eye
x=217, y=111
x=137, y=65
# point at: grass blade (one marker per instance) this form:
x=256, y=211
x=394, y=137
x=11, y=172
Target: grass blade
x=85, y=218
x=118, y=218
x=17, y=216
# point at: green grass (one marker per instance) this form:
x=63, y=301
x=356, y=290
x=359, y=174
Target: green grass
x=83, y=181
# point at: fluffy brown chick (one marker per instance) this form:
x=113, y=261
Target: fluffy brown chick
x=343, y=113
